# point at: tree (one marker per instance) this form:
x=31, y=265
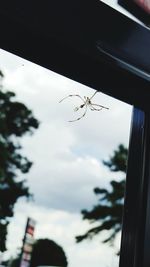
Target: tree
x=47, y=252
x=108, y=212
x=15, y=121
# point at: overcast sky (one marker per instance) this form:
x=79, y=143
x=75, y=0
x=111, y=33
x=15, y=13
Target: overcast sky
x=67, y=159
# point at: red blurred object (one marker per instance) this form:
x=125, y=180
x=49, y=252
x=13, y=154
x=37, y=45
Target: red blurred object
x=145, y=4
x=30, y=230
x=28, y=242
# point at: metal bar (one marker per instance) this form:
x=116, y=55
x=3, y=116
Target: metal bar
x=134, y=207
x=146, y=247
x=74, y=38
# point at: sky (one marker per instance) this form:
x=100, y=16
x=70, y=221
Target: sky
x=67, y=159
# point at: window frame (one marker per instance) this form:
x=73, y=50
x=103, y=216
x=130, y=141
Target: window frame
x=91, y=60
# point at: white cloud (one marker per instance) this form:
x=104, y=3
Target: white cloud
x=63, y=153
x=67, y=157
x=62, y=227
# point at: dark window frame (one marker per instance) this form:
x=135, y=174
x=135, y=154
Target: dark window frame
x=89, y=51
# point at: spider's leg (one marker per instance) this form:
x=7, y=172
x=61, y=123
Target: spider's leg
x=93, y=95
x=81, y=116
x=94, y=109
x=90, y=107
x=76, y=109
x=97, y=105
x=71, y=96
x=81, y=106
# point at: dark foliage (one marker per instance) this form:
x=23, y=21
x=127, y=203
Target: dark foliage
x=118, y=162
x=47, y=252
x=108, y=212
x=15, y=121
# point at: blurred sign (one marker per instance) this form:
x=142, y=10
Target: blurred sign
x=139, y=8
x=28, y=242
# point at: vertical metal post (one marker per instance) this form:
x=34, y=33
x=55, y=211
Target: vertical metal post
x=134, y=207
x=146, y=227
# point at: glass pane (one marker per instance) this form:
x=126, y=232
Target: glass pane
x=77, y=166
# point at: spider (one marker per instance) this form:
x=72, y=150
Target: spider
x=86, y=104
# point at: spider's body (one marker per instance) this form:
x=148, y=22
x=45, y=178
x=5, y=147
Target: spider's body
x=87, y=103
